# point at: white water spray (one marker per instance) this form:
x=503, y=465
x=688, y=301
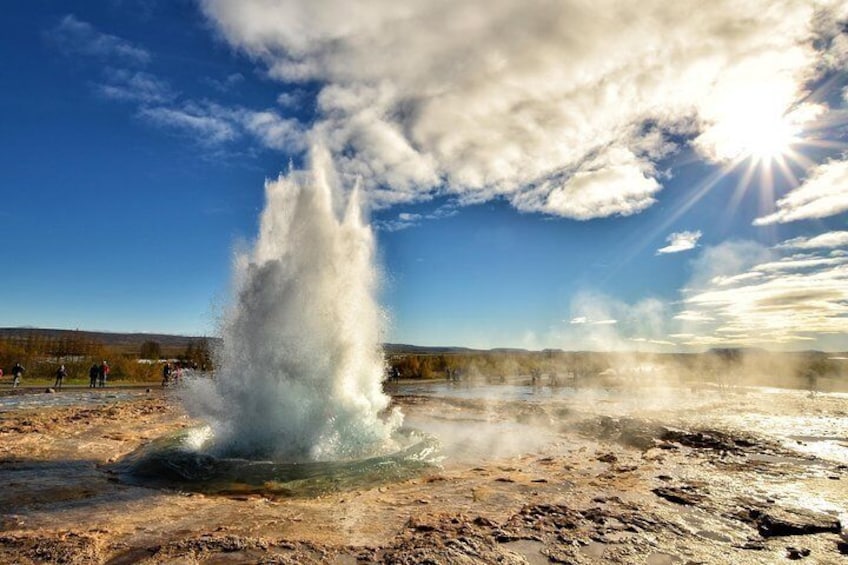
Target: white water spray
x=301, y=365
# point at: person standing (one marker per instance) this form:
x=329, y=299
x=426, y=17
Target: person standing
x=61, y=373
x=93, y=374
x=166, y=375
x=102, y=374
x=17, y=373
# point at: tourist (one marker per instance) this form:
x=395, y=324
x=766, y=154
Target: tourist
x=166, y=375
x=102, y=374
x=93, y=374
x=17, y=373
x=61, y=373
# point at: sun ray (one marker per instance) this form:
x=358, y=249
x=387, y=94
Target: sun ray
x=739, y=191
x=763, y=146
x=787, y=172
x=826, y=144
x=700, y=191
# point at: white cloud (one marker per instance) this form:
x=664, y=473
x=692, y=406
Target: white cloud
x=680, y=241
x=826, y=240
x=727, y=261
x=542, y=103
x=212, y=124
x=134, y=86
x=799, y=263
x=271, y=129
x=227, y=84
x=290, y=99
x=194, y=121
x=781, y=301
x=725, y=280
x=616, y=183
x=664, y=342
x=824, y=193
x=76, y=37
x=693, y=316
x=208, y=123
x=406, y=220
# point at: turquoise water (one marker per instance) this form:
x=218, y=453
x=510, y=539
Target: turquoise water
x=176, y=461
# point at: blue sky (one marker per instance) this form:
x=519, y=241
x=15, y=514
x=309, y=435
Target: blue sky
x=538, y=174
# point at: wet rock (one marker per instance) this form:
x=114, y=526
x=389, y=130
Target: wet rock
x=639, y=439
x=536, y=520
x=631, y=432
x=485, y=522
x=645, y=435
x=231, y=548
x=449, y=539
x=797, y=553
x=686, y=495
x=709, y=439
x=606, y=499
x=752, y=545
x=775, y=522
x=218, y=544
x=421, y=525
x=607, y=458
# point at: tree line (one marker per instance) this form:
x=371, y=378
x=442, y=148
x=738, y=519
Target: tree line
x=41, y=353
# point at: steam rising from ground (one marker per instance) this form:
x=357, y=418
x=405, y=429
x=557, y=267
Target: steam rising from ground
x=301, y=365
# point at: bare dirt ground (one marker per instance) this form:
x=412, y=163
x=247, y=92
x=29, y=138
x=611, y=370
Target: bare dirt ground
x=530, y=475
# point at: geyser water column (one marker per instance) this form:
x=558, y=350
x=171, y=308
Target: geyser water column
x=300, y=369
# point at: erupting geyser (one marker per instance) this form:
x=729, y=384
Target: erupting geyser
x=300, y=372
x=296, y=405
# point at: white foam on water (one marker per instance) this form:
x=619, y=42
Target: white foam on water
x=300, y=369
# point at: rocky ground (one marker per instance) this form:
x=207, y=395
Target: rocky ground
x=747, y=476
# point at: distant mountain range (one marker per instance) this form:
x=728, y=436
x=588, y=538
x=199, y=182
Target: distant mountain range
x=170, y=341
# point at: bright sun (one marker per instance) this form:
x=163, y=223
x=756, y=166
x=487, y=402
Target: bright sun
x=763, y=138
x=754, y=127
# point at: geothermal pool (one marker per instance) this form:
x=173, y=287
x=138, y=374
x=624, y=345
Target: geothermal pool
x=523, y=475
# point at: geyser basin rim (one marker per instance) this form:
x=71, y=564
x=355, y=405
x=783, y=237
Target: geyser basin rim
x=175, y=461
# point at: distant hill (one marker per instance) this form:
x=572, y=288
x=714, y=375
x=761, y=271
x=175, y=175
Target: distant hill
x=402, y=348
x=125, y=341
x=171, y=342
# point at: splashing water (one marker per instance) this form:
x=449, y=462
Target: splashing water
x=301, y=367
